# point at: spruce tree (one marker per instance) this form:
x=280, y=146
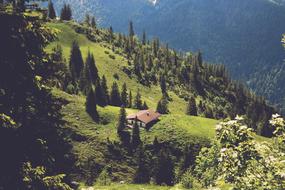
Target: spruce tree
x=131, y=30
x=124, y=95
x=65, y=13
x=87, y=20
x=75, y=62
x=94, y=76
x=136, y=140
x=51, y=11
x=191, y=107
x=122, y=123
x=130, y=102
x=144, y=106
x=99, y=94
x=138, y=101
x=144, y=38
x=162, y=106
x=115, y=98
x=142, y=175
x=163, y=85
x=91, y=106
x=93, y=22
x=84, y=81
x=164, y=171
x=105, y=92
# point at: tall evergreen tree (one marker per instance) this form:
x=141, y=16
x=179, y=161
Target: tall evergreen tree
x=84, y=81
x=87, y=20
x=66, y=13
x=164, y=169
x=93, y=71
x=138, y=100
x=115, y=98
x=130, y=102
x=51, y=11
x=144, y=38
x=142, y=175
x=91, y=106
x=163, y=85
x=144, y=106
x=75, y=62
x=131, y=29
x=105, y=92
x=99, y=94
x=93, y=22
x=136, y=140
x=162, y=106
x=191, y=107
x=122, y=123
x=124, y=95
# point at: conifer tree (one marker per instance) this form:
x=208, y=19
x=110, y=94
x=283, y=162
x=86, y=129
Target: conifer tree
x=163, y=85
x=130, y=101
x=138, y=101
x=94, y=76
x=115, y=98
x=66, y=13
x=191, y=107
x=124, y=95
x=144, y=106
x=91, y=106
x=105, y=92
x=162, y=106
x=136, y=140
x=122, y=123
x=84, y=81
x=156, y=145
x=144, y=38
x=75, y=62
x=99, y=94
x=87, y=20
x=131, y=30
x=93, y=22
x=142, y=175
x=164, y=169
x=51, y=11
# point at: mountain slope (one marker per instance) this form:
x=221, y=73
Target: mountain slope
x=244, y=35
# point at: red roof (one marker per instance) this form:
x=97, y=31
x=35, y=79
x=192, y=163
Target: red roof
x=145, y=116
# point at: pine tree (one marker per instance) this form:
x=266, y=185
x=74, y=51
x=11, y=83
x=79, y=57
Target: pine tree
x=130, y=102
x=162, y=106
x=75, y=62
x=99, y=94
x=163, y=85
x=164, y=171
x=122, y=123
x=91, y=106
x=93, y=22
x=155, y=144
x=136, y=140
x=51, y=11
x=191, y=107
x=144, y=106
x=87, y=20
x=138, y=101
x=142, y=175
x=94, y=76
x=124, y=95
x=144, y=38
x=115, y=98
x=131, y=30
x=66, y=13
x=84, y=81
x=105, y=92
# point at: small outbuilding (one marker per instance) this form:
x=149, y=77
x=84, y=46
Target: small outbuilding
x=145, y=118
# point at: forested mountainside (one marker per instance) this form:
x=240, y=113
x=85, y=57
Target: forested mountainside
x=66, y=90
x=244, y=35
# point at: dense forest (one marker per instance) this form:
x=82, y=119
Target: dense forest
x=67, y=88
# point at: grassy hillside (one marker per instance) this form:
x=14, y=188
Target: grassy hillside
x=108, y=66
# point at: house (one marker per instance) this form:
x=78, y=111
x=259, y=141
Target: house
x=145, y=118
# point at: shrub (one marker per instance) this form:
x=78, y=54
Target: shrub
x=187, y=180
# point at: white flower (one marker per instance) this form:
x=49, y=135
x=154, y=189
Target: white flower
x=239, y=118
